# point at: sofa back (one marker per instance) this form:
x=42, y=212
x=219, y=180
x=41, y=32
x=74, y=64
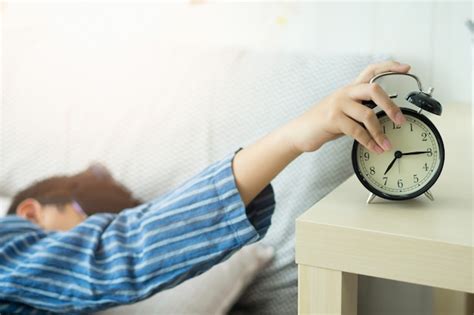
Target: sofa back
x=158, y=121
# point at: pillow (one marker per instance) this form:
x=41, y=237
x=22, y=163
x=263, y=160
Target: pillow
x=149, y=125
x=4, y=203
x=168, y=115
x=210, y=293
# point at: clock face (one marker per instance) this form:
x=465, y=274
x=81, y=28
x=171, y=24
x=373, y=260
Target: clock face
x=413, y=164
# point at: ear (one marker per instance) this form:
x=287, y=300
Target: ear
x=30, y=209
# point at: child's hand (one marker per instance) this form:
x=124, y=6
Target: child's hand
x=341, y=112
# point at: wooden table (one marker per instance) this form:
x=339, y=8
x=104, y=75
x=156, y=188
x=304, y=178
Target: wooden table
x=416, y=241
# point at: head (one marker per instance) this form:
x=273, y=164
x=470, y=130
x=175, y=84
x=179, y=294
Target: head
x=60, y=203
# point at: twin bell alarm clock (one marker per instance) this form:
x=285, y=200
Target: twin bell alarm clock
x=416, y=159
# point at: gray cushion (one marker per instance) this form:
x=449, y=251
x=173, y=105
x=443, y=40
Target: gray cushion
x=257, y=94
x=162, y=122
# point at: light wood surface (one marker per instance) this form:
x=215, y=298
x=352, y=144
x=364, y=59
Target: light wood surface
x=326, y=291
x=423, y=244
x=416, y=241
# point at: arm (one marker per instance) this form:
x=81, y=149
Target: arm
x=336, y=115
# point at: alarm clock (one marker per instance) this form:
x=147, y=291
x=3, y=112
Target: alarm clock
x=416, y=159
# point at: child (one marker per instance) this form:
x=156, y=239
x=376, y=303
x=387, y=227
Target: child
x=54, y=258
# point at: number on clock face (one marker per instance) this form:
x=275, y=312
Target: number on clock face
x=411, y=164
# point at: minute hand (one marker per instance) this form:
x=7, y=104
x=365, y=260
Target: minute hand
x=416, y=152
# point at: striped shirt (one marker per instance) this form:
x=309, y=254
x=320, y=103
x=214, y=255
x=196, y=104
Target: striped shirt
x=113, y=259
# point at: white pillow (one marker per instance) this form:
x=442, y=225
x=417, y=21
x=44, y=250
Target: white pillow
x=157, y=121
x=213, y=292
x=150, y=125
x=4, y=204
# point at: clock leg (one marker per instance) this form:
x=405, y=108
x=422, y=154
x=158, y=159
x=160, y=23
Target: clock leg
x=371, y=197
x=429, y=195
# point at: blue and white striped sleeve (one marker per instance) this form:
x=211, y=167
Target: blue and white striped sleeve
x=110, y=260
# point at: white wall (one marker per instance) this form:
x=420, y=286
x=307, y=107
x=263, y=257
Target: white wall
x=429, y=35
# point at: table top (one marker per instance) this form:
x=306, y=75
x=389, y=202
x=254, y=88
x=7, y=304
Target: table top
x=447, y=221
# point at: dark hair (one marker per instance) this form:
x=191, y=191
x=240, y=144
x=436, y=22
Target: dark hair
x=94, y=190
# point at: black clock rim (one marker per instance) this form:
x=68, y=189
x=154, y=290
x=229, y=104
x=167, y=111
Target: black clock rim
x=426, y=187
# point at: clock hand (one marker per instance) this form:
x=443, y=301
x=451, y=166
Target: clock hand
x=397, y=155
x=415, y=152
x=390, y=165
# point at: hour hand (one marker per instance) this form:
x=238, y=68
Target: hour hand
x=390, y=165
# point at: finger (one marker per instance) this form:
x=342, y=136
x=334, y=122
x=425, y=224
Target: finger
x=377, y=68
x=367, y=116
x=356, y=131
x=373, y=91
